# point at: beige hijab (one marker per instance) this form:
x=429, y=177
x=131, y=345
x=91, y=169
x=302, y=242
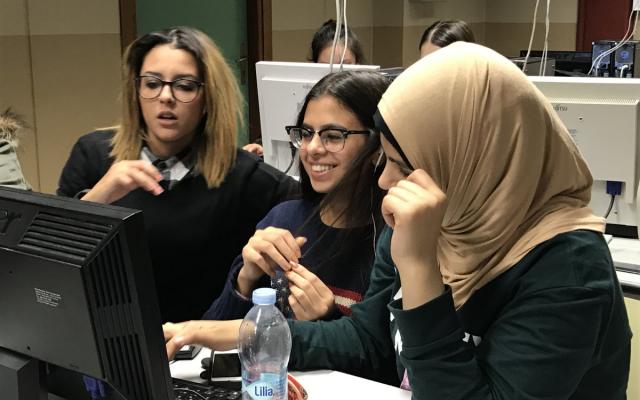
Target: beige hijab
x=512, y=174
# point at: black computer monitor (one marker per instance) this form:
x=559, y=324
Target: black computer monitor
x=77, y=292
x=568, y=63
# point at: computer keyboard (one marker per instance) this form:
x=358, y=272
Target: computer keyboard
x=186, y=390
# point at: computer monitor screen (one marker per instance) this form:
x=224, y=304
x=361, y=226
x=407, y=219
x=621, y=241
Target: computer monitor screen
x=282, y=88
x=77, y=292
x=602, y=116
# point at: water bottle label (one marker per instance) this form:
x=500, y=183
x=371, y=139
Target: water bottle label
x=268, y=387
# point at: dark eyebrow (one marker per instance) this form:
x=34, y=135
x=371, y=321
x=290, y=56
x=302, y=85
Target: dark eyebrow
x=332, y=126
x=175, y=78
x=186, y=76
x=325, y=126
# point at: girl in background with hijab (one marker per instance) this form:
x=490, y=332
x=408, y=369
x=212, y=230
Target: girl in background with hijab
x=493, y=280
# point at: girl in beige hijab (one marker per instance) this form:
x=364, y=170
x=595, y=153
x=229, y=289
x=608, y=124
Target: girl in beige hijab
x=493, y=241
x=493, y=280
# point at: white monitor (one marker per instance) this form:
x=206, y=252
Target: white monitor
x=282, y=88
x=602, y=116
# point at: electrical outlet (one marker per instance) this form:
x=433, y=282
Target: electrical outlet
x=636, y=5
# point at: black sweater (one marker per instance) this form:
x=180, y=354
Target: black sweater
x=193, y=232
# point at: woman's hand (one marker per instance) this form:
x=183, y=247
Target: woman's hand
x=254, y=148
x=310, y=298
x=218, y=335
x=414, y=208
x=124, y=177
x=267, y=250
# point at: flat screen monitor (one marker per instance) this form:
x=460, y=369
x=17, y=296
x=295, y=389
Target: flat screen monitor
x=602, y=116
x=282, y=88
x=77, y=292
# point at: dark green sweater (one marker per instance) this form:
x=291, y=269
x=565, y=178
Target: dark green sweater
x=554, y=326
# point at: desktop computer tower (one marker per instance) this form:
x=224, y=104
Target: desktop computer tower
x=624, y=60
x=605, y=66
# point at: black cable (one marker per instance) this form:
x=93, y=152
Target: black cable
x=606, y=215
x=293, y=157
x=192, y=392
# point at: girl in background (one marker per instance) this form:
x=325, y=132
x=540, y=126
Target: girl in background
x=322, y=43
x=442, y=33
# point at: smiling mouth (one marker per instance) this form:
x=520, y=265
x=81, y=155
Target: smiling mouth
x=321, y=168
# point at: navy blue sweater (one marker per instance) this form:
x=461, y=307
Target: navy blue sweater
x=344, y=269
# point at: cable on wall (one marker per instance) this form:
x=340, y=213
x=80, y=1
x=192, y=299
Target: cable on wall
x=533, y=33
x=545, y=49
x=336, y=35
x=346, y=32
x=341, y=19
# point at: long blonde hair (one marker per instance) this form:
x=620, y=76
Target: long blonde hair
x=216, y=143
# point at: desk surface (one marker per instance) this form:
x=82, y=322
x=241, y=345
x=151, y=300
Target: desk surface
x=626, y=254
x=319, y=384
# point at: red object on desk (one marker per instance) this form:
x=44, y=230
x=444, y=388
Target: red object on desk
x=296, y=391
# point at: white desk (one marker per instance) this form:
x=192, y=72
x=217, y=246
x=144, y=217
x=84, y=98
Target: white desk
x=318, y=384
x=626, y=253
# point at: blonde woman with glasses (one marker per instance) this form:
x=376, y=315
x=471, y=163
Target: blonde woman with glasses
x=174, y=156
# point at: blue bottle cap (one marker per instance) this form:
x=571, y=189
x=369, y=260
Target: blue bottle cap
x=264, y=296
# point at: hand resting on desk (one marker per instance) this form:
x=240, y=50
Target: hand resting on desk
x=217, y=335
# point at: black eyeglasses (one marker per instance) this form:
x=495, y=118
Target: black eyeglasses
x=184, y=90
x=332, y=138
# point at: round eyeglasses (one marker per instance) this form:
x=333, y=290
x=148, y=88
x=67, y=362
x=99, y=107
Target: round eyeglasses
x=332, y=138
x=184, y=90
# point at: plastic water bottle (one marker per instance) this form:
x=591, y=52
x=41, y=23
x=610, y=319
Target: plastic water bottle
x=264, y=345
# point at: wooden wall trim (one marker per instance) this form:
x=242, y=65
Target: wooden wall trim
x=580, y=28
x=259, y=49
x=127, y=23
x=259, y=38
x=601, y=19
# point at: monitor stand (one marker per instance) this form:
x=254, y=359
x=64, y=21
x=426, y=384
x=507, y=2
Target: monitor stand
x=21, y=377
